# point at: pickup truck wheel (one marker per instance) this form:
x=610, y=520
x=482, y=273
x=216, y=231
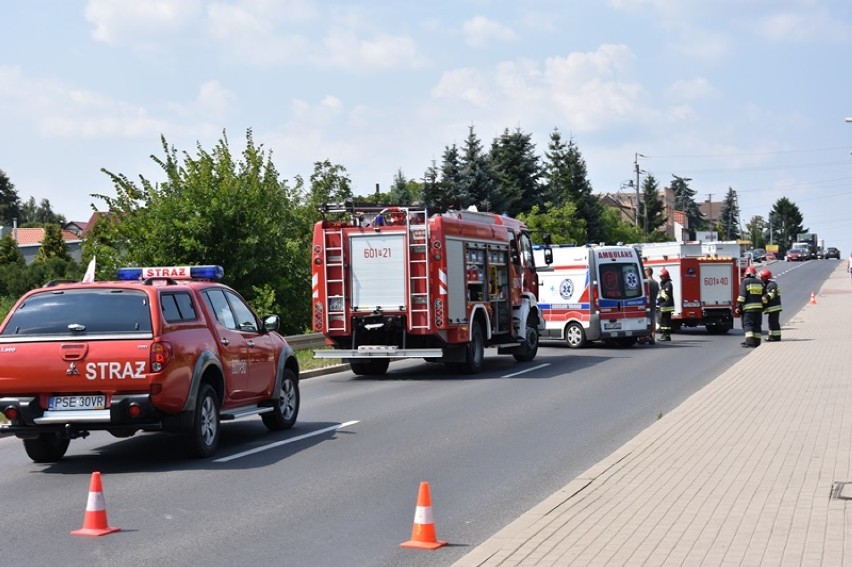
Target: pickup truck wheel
x=475, y=350
x=202, y=441
x=530, y=347
x=575, y=336
x=370, y=367
x=46, y=448
x=284, y=414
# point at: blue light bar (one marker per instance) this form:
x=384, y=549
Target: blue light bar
x=216, y=273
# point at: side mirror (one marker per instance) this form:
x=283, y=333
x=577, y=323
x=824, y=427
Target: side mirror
x=271, y=323
x=548, y=256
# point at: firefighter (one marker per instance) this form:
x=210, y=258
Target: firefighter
x=750, y=305
x=665, y=302
x=772, y=305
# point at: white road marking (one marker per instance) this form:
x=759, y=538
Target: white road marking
x=284, y=442
x=527, y=370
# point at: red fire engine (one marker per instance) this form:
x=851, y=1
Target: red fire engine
x=705, y=283
x=393, y=282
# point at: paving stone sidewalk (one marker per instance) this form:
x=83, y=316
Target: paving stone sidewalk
x=750, y=470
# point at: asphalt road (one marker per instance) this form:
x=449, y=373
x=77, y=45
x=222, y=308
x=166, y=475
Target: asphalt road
x=341, y=487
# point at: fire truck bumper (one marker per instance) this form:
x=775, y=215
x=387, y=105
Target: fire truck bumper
x=380, y=351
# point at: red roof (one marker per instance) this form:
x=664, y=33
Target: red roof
x=27, y=236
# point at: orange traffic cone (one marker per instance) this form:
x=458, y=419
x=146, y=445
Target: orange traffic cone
x=423, y=530
x=813, y=298
x=95, y=520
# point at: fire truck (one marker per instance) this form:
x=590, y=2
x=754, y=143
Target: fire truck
x=705, y=283
x=591, y=293
x=394, y=283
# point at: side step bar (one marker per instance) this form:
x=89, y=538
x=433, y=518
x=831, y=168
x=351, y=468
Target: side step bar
x=238, y=413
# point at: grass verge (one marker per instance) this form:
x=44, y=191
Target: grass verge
x=308, y=362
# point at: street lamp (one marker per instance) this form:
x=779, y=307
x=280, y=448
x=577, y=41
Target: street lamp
x=849, y=119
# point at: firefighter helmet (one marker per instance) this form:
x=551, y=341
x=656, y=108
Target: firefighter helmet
x=765, y=275
x=664, y=273
x=750, y=271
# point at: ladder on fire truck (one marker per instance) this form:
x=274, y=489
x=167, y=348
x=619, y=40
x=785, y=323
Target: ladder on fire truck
x=417, y=234
x=335, y=281
x=417, y=224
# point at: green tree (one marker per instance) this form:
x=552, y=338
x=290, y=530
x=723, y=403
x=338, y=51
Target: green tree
x=33, y=215
x=566, y=179
x=402, y=190
x=213, y=209
x=684, y=200
x=517, y=172
x=52, y=245
x=9, y=251
x=10, y=204
x=476, y=180
x=785, y=223
x=617, y=230
x=329, y=183
x=651, y=208
x=756, y=231
x=559, y=221
x=451, y=193
x=729, y=217
x=430, y=190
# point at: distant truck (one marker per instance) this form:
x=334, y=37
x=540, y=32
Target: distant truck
x=809, y=241
x=809, y=251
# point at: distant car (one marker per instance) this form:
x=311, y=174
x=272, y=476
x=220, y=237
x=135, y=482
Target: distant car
x=758, y=255
x=832, y=252
x=796, y=255
x=770, y=257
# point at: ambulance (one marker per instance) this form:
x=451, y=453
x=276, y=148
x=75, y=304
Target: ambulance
x=592, y=293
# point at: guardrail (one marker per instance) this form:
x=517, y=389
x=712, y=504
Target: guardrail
x=311, y=340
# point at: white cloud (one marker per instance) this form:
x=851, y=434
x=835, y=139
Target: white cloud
x=62, y=111
x=345, y=50
x=121, y=22
x=468, y=85
x=583, y=90
x=692, y=89
x=481, y=32
x=251, y=32
x=215, y=101
x=804, y=27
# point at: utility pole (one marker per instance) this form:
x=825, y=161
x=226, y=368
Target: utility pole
x=636, y=157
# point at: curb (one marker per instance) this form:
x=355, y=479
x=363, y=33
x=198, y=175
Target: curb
x=323, y=371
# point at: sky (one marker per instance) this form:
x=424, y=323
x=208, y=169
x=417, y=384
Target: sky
x=749, y=95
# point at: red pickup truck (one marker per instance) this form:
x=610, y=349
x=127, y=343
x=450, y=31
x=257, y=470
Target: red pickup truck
x=159, y=349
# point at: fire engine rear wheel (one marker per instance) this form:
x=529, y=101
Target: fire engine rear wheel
x=202, y=440
x=575, y=336
x=370, y=366
x=46, y=448
x=530, y=348
x=284, y=414
x=475, y=350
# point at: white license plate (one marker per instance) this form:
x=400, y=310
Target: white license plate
x=612, y=326
x=78, y=402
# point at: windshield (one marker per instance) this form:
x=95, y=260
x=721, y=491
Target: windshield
x=620, y=280
x=82, y=312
